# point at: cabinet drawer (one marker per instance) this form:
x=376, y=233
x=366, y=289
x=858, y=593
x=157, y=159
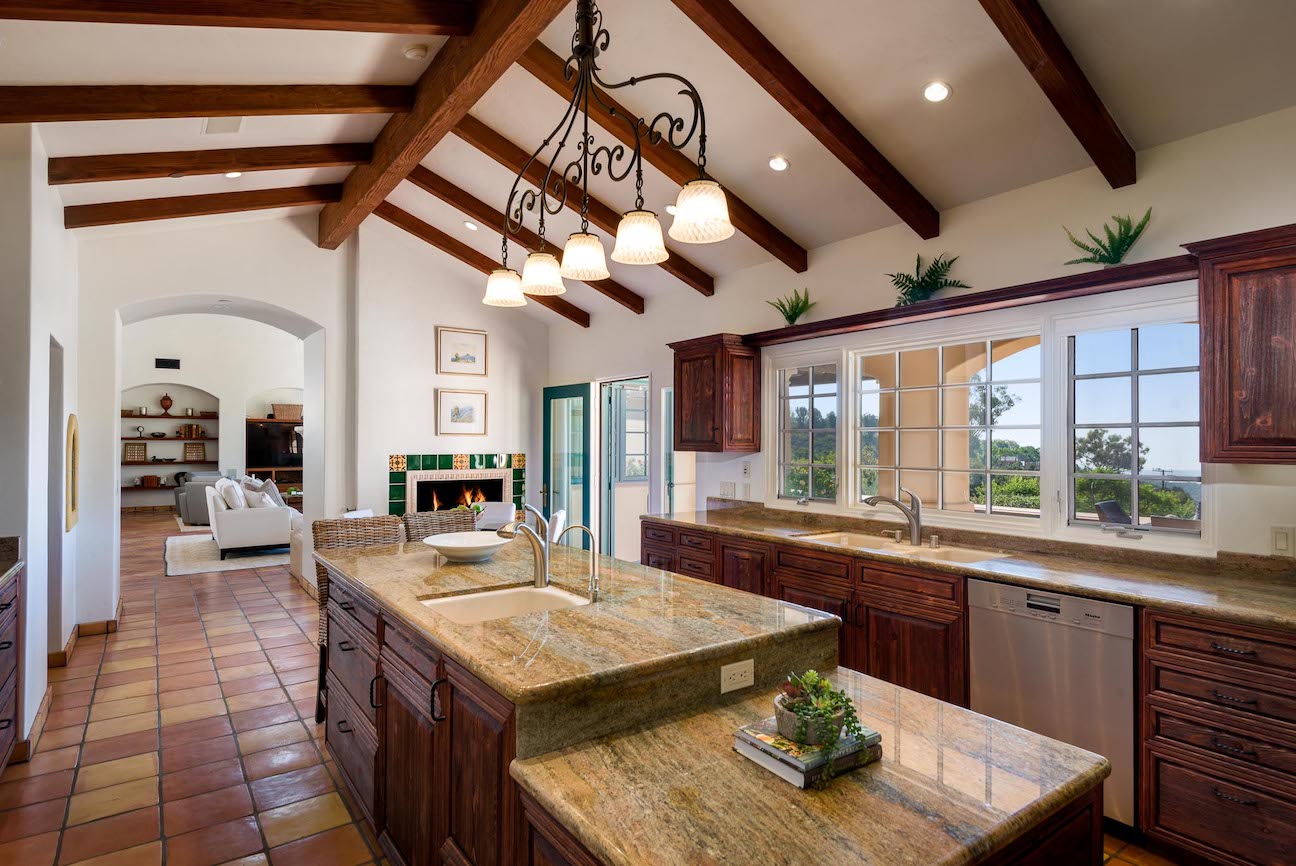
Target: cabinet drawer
x=655, y=534
x=8, y=719
x=421, y=658
x=696, y=541
x=823, y=565
x=1223, y=741
x=416, y=691
x=8, y=647
x=922, y=586
x=354, y=745
x=1221, y=693
x=9, y=597
x=351, y=663
x=1195, y=807
x=350, y=605
x=658, y=557
x=696, y=566
x=1220, y=642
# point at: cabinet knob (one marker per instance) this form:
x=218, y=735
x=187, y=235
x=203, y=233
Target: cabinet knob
x=435, y=717
x=346, y=605
x=6, y=723
x=6, y=605
x=346, y=646
x=4, y=645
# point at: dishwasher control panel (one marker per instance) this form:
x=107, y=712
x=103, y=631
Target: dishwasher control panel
x=1047, y=606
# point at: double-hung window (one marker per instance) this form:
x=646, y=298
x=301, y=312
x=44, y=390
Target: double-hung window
x=958, y=424
x=1133, y=418
x=807, y=430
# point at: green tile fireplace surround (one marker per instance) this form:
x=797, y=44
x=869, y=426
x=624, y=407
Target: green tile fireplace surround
x=398, y=465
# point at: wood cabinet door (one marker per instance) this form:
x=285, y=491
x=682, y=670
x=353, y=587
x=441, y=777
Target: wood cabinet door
x=917, y=648
x=743, y=567
x=411, y=759
x=697, y=380
x=479, y=797
x=829, y=598
x=742, y=390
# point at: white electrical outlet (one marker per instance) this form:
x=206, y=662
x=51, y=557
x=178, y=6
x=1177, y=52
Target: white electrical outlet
x=1282, y=540
x=738, y=675
x=728, y=490
x=746, y=469
x=747, y=492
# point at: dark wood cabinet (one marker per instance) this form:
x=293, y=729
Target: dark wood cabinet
x=717, y=395
x=11, y=662
x=744, y=566
x=1247, y=308
x=918, y=647
x=829, y=597
x=413, y=822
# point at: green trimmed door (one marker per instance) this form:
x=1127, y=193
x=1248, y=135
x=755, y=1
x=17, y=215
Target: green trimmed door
x=567, y=456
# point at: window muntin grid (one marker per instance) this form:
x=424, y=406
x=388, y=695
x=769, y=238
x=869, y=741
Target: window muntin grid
x=809, y=405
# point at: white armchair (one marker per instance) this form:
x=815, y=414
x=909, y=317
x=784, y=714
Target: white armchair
x=242, y=529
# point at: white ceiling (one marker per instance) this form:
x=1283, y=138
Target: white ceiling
x=1165, y=68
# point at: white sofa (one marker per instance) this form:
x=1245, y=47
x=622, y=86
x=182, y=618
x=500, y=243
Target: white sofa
x=243, y=529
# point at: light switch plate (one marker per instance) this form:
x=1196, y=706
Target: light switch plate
x=1282, y=540
x=739, y=675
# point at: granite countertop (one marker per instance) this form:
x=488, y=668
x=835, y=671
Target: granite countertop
x=951, y=787
x=10, y=561
x=646, y=620
x=1251, y=596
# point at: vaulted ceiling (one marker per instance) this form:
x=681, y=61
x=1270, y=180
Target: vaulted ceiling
x=1039, y=89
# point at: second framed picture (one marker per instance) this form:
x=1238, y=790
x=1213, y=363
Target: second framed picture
x=461, y=352
x=461, y=413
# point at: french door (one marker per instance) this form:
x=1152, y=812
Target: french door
x=567, y=456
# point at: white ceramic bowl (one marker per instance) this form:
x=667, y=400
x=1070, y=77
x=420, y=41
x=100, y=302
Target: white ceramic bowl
x=466, y=546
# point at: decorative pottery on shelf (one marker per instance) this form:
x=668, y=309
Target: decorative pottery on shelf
x=166, y=403
x=811, y=732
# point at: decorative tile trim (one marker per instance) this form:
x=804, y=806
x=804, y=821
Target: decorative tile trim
x=398, y=465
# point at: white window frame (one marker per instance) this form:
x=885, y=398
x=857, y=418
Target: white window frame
x=774, y=362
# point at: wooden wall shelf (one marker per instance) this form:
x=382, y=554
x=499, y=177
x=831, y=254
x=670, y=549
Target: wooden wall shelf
x=212, y=416
x=1114, y=279
x=169, y=439
x=174, y=463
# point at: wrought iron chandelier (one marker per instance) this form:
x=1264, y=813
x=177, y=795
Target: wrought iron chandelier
x=701, y=212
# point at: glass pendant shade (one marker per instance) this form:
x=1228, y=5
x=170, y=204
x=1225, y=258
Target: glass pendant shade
x=701, y=214
x=639, y=240
x=541, y=275
x=583, y=258
x=504, y=289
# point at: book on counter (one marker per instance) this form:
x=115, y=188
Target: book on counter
x=800, y=764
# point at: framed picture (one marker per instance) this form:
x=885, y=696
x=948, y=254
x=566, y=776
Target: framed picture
x=461, y=352
x=461, y=413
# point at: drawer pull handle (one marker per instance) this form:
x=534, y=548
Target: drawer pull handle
x=6, y=724
x=344, y=727
x=346, y=646
x=435, y=717
x=1222, y=746
x=1230, y=798
x=372, y=702
x=6, y=605
x=4, y=645
x=1220, y=648
x=346, y=605
x=1220, y=696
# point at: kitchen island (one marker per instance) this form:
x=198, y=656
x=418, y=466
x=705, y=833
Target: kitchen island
x=598, y=733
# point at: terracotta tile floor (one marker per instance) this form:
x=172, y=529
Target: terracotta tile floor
x=188, y=736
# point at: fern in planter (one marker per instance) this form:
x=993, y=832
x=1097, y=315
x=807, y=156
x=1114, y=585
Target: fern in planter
x=794, y=306
x=1112, y=249
x=922, y=284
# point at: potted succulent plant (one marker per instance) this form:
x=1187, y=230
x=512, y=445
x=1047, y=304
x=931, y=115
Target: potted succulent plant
x=810, y=711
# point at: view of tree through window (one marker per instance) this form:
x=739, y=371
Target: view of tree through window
x=808, y=403
x=959, y=425
x=1134, y=423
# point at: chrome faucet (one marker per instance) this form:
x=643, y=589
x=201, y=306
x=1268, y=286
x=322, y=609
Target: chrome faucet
x=542, y=524
x=593, y=558
x=539, y=547
x=912, y=513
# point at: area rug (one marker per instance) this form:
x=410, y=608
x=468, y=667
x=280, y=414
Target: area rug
x=185, y=527
x=196, y=554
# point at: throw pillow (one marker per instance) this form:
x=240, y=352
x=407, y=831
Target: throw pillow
x=231, y=493
x=256, y=499
x=272, y=490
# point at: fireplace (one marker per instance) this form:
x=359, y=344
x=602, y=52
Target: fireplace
x=440, y=490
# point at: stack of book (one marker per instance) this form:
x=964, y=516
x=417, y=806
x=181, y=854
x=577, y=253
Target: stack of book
x=802, y=765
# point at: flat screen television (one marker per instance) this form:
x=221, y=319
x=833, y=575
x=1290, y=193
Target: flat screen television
x=271, y=445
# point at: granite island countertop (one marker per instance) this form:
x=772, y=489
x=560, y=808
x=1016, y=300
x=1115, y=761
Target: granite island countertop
x=10, y=560
x=952, y=786
x=1237, y=593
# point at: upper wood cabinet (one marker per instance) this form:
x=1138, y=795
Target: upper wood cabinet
x=1247, y=287
x=717, y=395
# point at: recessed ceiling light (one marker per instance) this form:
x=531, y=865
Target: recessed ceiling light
x=936, y=91
x=470, y=225
x=416, y=52
x=779, y=163
x=670, y=209
x=233, y=174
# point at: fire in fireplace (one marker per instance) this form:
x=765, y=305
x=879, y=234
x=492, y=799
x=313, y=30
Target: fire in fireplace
x=440, y=495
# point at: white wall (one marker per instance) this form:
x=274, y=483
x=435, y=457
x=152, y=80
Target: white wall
x=1234, y=179
x=406, y=289
x=270, y=267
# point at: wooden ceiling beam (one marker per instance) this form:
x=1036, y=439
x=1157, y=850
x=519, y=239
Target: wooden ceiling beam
x=1037, y=43
x=512, y=157
x=459, y=75
x=415, y=17
x=780, y=78
x=484, y=214
x=173, y=207
x=469, y=256
x=548, y=67
x=184, y=163
x=56, y=103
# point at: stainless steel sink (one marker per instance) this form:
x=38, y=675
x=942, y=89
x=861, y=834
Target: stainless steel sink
x=503, y=603
x=848, y=539
x=950, y=554
x=860, y=541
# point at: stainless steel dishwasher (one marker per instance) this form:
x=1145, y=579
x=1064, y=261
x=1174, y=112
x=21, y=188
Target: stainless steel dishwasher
x=1061, y=666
